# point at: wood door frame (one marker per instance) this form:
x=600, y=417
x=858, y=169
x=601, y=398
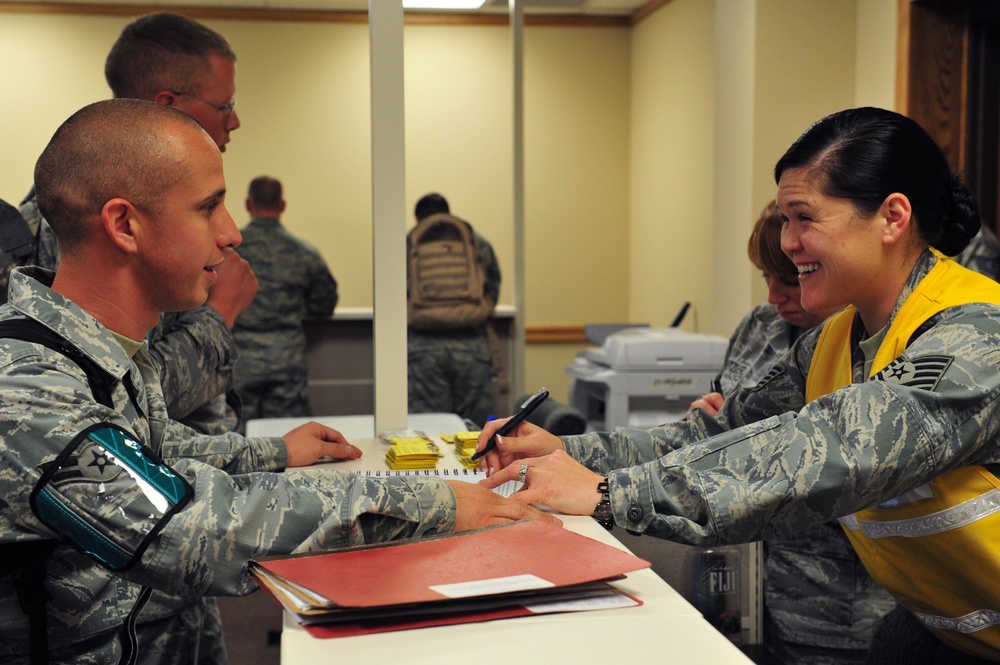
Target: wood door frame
x=948, y=80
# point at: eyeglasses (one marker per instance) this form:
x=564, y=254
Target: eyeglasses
x=221, y=108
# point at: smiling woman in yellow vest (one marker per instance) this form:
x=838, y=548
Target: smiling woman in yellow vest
x=886, y=417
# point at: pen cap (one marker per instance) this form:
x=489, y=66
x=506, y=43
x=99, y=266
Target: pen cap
x=556, y=418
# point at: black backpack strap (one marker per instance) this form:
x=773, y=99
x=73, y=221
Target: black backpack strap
x=29, y=330
x=29, y=559
x=25, y=563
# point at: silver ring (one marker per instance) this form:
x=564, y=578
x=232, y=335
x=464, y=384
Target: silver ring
x=522, y=475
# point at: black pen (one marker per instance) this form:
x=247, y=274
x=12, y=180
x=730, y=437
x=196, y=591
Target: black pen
x=529, y=405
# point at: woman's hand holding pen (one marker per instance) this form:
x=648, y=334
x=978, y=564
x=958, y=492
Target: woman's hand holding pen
x=526, y=440
x=555, y=480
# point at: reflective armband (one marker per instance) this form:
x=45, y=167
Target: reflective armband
x=108, y=495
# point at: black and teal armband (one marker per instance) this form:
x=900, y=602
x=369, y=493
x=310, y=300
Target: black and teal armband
x=108, y=495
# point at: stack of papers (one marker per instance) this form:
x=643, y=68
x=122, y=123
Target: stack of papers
x=465, y=447
x=410, y=449
x=412, y=455
x=517, y=569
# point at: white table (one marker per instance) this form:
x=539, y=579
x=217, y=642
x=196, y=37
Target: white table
x=665, y=628
x=359, y=427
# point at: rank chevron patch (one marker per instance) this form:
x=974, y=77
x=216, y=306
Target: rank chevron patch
x=773, y=373
x=922, y=373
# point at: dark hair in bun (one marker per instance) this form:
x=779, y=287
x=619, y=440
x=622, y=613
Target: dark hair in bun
x=865, y=154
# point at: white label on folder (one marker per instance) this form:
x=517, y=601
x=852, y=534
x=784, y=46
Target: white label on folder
x=491, y=586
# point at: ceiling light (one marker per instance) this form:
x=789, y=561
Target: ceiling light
x=443, y=4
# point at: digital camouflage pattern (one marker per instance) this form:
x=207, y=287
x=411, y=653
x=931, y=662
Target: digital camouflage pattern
x=816, y=591
x=758, y=341
x=451, y=371
x=45, y=250
x=238, y=510
x=189, y=632
x=772, y=466
x=295, y=282
x=982, y=254
x=196, y=354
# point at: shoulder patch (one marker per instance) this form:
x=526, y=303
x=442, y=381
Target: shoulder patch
x=922, y=373
x=91, y=463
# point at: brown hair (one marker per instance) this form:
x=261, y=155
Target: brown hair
x=265, y=193
x=118, y=148
x=764, y=246
x=163, y=51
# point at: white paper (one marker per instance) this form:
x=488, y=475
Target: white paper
x=492, y=586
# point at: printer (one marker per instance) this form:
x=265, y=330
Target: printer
x=643, y=377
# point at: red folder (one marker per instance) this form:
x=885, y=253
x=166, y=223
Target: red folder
x=471, y=576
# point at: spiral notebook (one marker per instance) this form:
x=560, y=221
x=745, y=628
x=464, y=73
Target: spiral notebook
x=468, y=475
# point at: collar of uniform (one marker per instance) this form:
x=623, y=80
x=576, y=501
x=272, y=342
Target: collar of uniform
x=30, y=294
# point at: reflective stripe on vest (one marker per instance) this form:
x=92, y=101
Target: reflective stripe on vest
x=937, y=548
x=954, y=517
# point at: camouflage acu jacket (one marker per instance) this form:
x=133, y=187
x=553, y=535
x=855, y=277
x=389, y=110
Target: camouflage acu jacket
x=758, y=341
x=238, y=510
x=771, y=465
x=816, y=591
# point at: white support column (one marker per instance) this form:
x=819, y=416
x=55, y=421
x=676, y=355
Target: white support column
x=516, y=10
x=385, y=21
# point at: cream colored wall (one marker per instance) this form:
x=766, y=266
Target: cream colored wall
x=670, y=192
x=304, y=106
x=53, y=65
x=671, y=189
x=576, y=174
x=576, y=189
x=853, y=65
x=674, y=125
x=735, y=91
x=875, y=64
x=799, y=78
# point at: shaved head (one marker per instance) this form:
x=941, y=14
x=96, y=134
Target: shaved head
x=119, y=148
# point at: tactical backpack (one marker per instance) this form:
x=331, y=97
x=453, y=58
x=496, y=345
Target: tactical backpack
x=445, y=275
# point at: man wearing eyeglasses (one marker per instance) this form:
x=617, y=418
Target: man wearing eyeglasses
x=175, y=61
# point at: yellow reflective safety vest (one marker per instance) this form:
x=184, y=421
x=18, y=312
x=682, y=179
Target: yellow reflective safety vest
x=937, y=549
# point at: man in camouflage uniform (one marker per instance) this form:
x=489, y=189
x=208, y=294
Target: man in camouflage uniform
x=451, y=370
x=271, y=373
x=178, y=62
x=139, y=263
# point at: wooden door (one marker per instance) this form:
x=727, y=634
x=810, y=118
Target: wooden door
x=949, y=82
